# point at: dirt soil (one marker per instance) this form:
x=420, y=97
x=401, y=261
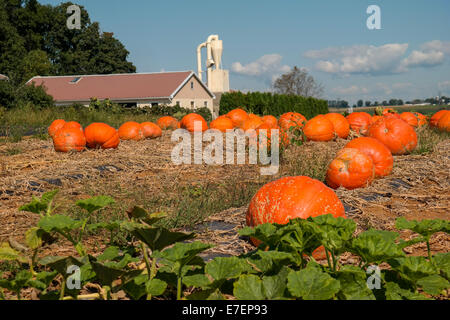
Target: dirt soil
x=418, y=188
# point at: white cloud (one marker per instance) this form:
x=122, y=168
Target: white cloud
x=359, y=59
x=268, y=66
x=376, y=60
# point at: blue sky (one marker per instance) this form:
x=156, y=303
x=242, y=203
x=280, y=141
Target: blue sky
x=408, y=58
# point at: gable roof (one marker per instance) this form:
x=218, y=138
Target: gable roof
x=127, y=86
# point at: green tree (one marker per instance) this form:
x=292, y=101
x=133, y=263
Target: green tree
x=360, y=103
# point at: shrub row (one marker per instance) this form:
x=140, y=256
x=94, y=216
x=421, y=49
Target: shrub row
x=265, y=103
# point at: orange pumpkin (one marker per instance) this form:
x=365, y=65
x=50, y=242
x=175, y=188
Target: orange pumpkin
x=222, y=123
x=410, y=118
x=350, y=169
x=238, y=116
x=291, y=119
x=396, y=134
x=359, y=122
x=293, y=197
x=388, y=110
x=340, y=124
x=421, y=119
x=375, y=118
x=435, y=118
x=69, y=139
x=382, y=158
x=254, y=116
x=101, y=135
x=194, y=122
x=251, y=123
x=151, y=130
x=319, y=128
x=131, y=130
x=167, y=123
x=391, y=115
x=444, y=122
x=270, y=120
x=264, y=131
x=55, y=126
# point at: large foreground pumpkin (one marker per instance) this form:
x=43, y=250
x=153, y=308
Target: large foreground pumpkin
x=55, y=126
x=131, y=131
x=350, y=169
x=222, y=123
x=190, y=121
x=151, y=130
x=319, y=128
x=293, y=197
x=340, y=124
x=382, y=158
x=69, y=139
x=238, y=116
x=167, y=122
x=359, y=122
x=396, y=134
x=101, y=135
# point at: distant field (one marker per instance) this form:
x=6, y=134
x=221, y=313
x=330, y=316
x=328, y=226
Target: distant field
x=426, y=110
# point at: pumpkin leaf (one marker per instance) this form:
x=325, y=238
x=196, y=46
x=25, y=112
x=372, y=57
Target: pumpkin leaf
x=136, y=288
x=248, y=287
x=61, y=264
x=210, y=294
x=274, y=287
x=33, y=237
x=198, y=280
x=9, y=254
x=142, y=214
x=39, y=206
x=395, y=292
x=222, y=268
x=376, y=246
x=433, y=284
x=312, y=284
x=442, y=261
x=425, y=228
x=413, y=268
x=182, y=253
x=59, y=223
x=95, y=203
x=155, y=287
x=353, y=281
x=21, y=280
x=160, y=238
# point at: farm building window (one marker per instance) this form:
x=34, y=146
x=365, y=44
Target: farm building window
x=192, y=104
x=75, y=80
x=192, y=85
x=206, y=104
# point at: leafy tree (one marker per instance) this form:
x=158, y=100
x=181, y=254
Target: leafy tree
x=360, y=103
x=368, y=103
x=298, y=82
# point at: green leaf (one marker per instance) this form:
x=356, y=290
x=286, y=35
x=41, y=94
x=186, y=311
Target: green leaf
x=182, y=253
x=334, y=233
x=155, y=287
x=353, y=283
x=95, y=203
x=376, y=246
x=433, y=284
x=222, y=268
x=60, y=264
x=210, y=294
x=248, y=287
x=274, y=287
x=9, y=254
x=59, y=223
x=394, y=292
x=33, y=237
x=312, y=284
x=142, y=214
x=39, y=205
x=426, y=228
x=109, y=253
x=136, y=288
x=199, y=280
x=413, y=268
x=442, y=261
x=160, y=238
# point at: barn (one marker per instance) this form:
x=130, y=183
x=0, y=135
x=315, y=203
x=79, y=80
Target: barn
x=133, y=89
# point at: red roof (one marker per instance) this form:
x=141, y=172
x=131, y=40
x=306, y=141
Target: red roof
x=128, y=86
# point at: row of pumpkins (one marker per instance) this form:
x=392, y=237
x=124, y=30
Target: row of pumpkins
x=356, y=165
